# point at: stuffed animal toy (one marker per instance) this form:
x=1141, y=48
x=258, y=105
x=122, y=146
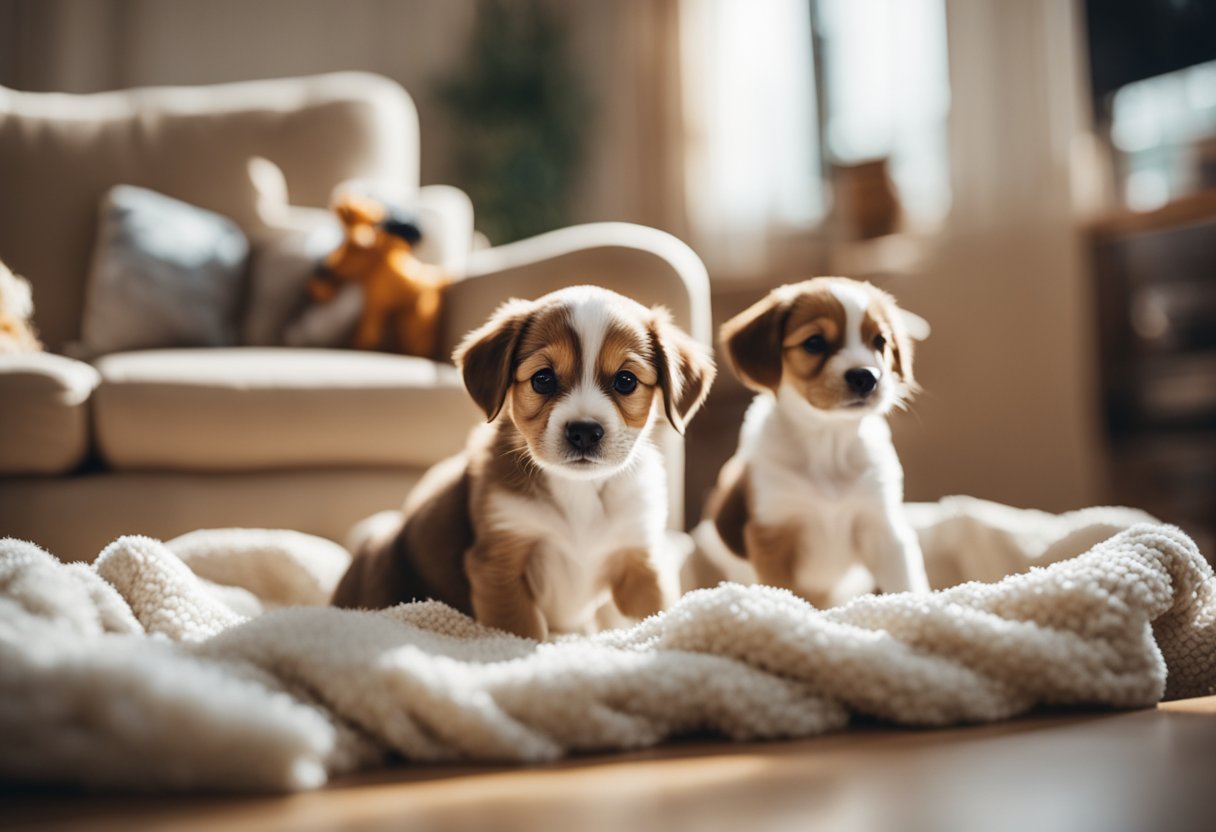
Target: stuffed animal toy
x=401, y=294
x=16, y=312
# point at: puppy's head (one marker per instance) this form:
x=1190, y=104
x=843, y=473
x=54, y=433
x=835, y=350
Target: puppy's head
x=841, y=345
x=579, y=371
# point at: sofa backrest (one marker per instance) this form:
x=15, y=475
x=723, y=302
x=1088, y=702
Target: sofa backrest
x=60, y=153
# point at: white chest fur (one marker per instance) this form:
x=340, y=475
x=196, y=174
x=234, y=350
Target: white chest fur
x=836, y=481
x=579, y=529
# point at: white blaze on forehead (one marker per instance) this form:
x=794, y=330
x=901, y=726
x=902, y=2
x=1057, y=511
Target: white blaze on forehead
x=590, y=318
x=855, y=301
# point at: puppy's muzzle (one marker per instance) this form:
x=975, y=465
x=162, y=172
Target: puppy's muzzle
x=584, y=436
x=861, y=380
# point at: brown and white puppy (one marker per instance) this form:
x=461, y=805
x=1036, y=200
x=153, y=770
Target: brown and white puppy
x=813, y=498
x=556, y=511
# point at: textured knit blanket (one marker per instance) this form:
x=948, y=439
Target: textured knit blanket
x=198, y=663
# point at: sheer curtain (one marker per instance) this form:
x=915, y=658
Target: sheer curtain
x=753, y=165
x=751, y=160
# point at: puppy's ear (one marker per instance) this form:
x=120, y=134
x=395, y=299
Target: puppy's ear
x=486, y=355
x=906, y=327
x=918, y=328
x=685, y=369
x=752, y=342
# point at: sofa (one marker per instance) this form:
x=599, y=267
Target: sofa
x=163, y=441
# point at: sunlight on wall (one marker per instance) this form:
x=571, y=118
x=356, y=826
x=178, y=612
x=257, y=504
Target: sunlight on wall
x=754, y=152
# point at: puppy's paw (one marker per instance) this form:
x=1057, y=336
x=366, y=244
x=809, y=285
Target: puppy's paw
x=638, y=591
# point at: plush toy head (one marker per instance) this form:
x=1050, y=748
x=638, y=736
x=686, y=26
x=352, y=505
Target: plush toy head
x=365, y=243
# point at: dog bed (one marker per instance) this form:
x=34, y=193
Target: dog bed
x=197, y=663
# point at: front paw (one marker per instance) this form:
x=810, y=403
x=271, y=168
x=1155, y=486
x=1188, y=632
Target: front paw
x=524, y=620
x=638, y=591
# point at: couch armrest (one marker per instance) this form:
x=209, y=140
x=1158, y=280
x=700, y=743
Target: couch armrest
x=650, y=266
x=44, y=418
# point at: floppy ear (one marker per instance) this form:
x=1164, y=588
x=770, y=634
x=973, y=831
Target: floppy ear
x=917, y=327
x=906, y=327
x=752, y=342
x=486, y=355
x=685, y=369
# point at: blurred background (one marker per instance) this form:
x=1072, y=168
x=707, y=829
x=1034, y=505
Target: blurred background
x=1036, y=178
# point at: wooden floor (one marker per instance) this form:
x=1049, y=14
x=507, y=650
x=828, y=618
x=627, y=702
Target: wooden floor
x=1142, y=770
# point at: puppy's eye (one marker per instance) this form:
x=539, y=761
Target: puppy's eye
x=544, y=382
x=625, y=382
x=879, y=342
x=815, y=345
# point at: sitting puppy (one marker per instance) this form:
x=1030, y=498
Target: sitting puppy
x=813, y=499
x=557, y=505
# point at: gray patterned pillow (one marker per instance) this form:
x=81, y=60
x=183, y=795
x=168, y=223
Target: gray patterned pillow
x=165, y=274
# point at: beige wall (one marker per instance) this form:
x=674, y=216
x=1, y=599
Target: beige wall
x=1009, y=410
x=92, y=45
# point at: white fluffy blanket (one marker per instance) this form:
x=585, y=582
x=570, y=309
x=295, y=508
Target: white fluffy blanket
x=183, y=664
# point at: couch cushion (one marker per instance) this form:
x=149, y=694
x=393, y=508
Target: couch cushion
x=249, y=409
x=44, y=415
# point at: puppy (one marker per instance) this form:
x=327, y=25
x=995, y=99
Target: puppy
x=813, y=499
x=16, y=311
x=553, y=518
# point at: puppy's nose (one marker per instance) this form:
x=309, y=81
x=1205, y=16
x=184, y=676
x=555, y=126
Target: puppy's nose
x=584, y=435
x=861, y=380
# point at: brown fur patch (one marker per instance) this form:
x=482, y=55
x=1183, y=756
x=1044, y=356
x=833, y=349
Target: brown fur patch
x=503, y=459
x=636, y=589
x=814, y=311
x=773, y=551
x=882, y=318
x=627, y=348
x=498, y=589
x=549, y=343
x=752, y=342
x=764, y=342
x=486, y=355
x=423, y=560
x=685, y=369
x=499, y=461
x=729, y=505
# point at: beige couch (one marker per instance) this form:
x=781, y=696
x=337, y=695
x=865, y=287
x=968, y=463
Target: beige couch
x=160, y=442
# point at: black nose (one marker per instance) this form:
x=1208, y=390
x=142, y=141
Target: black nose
x=861, y=380
x=584, y=435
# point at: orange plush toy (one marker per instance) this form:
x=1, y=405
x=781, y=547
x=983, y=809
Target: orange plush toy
x=401, y=294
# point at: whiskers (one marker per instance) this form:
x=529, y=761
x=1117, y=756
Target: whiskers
x=520, y=454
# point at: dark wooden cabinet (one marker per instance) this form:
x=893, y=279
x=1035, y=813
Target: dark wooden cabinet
x=1156, y=297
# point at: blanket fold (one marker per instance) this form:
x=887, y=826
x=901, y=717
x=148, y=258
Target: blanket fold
x=185, y=664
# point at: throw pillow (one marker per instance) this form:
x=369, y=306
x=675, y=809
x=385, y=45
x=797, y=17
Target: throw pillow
x=164, y=274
